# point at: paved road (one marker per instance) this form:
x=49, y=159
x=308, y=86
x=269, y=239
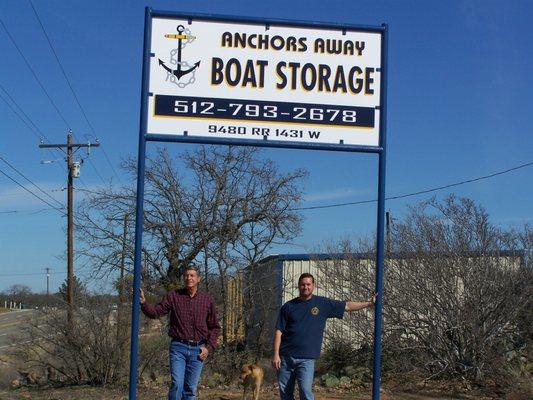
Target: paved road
x=10, y=324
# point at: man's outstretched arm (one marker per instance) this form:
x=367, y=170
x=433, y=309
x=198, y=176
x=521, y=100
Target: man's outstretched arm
x=360, y=305
x=154, y=310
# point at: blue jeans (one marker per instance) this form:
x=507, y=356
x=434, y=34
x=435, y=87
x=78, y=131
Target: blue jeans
x=300, y=370
x=185, y=370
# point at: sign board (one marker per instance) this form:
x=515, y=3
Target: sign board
x=256, y=81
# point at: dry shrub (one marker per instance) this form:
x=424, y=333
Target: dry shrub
x=91, y=349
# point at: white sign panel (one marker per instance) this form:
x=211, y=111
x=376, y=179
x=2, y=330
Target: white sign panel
x=252, y=81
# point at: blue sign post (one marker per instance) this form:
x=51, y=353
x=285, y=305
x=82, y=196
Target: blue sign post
x=223, y=80
x=378, y=315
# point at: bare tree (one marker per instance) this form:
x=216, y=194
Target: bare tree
x=456, y=288
x=18, y=293
x=456, y=291
x=219, y=208
x=220, y=198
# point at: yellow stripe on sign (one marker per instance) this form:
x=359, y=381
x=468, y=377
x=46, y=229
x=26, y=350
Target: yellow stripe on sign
x=174, y=36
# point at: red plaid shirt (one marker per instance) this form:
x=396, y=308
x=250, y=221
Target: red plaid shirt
x=191, y=318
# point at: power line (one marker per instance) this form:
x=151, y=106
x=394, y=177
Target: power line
x=37, y=134
x=32, y=274
x=109, y=162
x=30, y=181
x=70, y=86
x=419, y=192
x=100, y=193
x=29, y=191
x=35, y=75
x=394, y=197
x=33, y=127
x=22, y=111
x=60, y=66
x=28, y=212
x=39, y=211
x=87, y=190
x=96, y=170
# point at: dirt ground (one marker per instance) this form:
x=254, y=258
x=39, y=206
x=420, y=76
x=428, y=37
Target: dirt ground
x=269, y=393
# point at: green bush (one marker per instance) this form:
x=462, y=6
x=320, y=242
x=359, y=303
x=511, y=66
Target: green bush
x=340, y=357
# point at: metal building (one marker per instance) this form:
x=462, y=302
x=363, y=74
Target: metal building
x=265, y=287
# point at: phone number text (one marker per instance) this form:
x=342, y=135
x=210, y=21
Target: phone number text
x=254, y=110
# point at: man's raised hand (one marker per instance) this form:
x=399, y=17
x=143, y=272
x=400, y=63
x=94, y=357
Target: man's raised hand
x=374, y=299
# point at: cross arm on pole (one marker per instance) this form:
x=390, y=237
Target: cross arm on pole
x=49, y=145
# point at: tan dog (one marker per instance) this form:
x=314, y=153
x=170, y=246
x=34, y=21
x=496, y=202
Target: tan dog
x=252, y=377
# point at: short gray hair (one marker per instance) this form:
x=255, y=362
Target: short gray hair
x=191, y=267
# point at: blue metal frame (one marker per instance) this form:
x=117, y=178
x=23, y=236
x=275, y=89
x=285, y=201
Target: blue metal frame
x=378, y=314
x=135, y=305
x=265, y=21
x=262, y=143
x=144, y=136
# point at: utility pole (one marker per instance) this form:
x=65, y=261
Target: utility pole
x=71, y=166
x=47, y=281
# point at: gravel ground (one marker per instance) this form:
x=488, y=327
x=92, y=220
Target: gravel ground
x=159, y=393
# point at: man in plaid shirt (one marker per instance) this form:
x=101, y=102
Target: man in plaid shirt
x=194, y=330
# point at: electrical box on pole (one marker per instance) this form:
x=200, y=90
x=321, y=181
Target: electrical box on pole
x=76, y=169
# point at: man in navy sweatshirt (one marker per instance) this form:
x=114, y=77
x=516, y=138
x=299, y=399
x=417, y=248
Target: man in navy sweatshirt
x=299, y=333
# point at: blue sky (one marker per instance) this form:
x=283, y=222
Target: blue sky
x=460, y=100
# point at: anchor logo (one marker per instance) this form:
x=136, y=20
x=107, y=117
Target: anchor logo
x=182, y=68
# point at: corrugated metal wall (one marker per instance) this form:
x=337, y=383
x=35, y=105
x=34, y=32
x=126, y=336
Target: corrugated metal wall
x=255, y=296
x=234, y=320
